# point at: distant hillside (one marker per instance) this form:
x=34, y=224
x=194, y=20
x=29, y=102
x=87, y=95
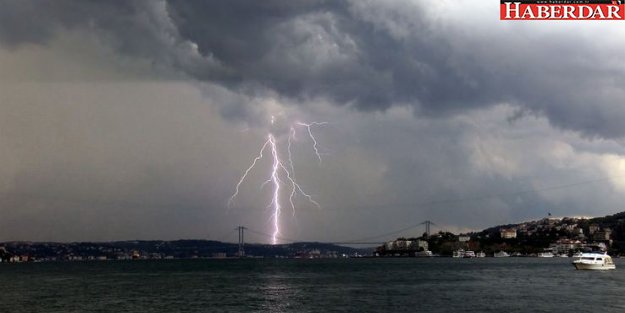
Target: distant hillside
x=157, y=249
x=533, y=236
x=564, y=235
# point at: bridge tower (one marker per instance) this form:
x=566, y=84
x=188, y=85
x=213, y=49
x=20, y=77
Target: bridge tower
x=241, y=252
x=427, y=224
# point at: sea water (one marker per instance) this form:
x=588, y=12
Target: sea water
x=312, y=285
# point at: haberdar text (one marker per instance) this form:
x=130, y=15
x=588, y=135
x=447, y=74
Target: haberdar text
x=538, y=11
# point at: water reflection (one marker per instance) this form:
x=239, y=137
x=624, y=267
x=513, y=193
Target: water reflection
x=278, y=292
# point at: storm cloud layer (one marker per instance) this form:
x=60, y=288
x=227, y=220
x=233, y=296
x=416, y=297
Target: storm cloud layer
x=142, y=114
x=367, y=54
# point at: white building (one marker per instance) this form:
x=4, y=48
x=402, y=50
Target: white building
x=508, y=233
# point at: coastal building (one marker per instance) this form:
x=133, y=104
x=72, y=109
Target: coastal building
x=564, y=246
x=421, y=245
x=401, y=244
x=4, y=255
x=509, y=233
x=390, y=245
x=402, y=247
x=19, y=259
x=464, y=238
x=593, y=228
x=219, y=255
x=602, y=235
x=315, y=253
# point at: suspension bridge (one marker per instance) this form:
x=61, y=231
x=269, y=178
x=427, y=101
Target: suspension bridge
x=371, y=240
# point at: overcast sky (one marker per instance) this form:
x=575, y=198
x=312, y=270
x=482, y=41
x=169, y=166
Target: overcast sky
x=135, y=119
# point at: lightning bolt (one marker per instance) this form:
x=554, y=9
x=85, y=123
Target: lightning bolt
x=278, y=170
x=276, y=189
x=310, y=134
x=249, y=169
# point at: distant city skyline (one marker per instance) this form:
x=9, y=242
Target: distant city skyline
x=136, y=119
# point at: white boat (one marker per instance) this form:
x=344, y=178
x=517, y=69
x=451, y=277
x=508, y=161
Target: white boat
x=594, y=261
x=480, y=254
x=458, y=253
x=469, y=254
x=547, y=254
x=425, y=253
x=501, y=254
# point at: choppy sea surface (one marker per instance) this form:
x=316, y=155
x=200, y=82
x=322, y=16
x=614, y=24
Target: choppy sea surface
x=304, y=285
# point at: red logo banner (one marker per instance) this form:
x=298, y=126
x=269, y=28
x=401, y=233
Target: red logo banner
x=562, y=10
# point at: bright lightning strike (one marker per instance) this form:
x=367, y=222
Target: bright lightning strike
x=236, y=192
x=280, y=172
x=276, y=189
x=313, y=137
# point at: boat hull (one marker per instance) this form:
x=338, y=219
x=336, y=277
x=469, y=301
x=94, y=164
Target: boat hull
x=595, y=267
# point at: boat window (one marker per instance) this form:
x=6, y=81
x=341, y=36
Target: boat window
x=588, y=258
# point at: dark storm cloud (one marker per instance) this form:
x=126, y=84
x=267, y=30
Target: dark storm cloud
x=139, y=29
x=370, y=55
x=322, y=48
x=373, y=55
